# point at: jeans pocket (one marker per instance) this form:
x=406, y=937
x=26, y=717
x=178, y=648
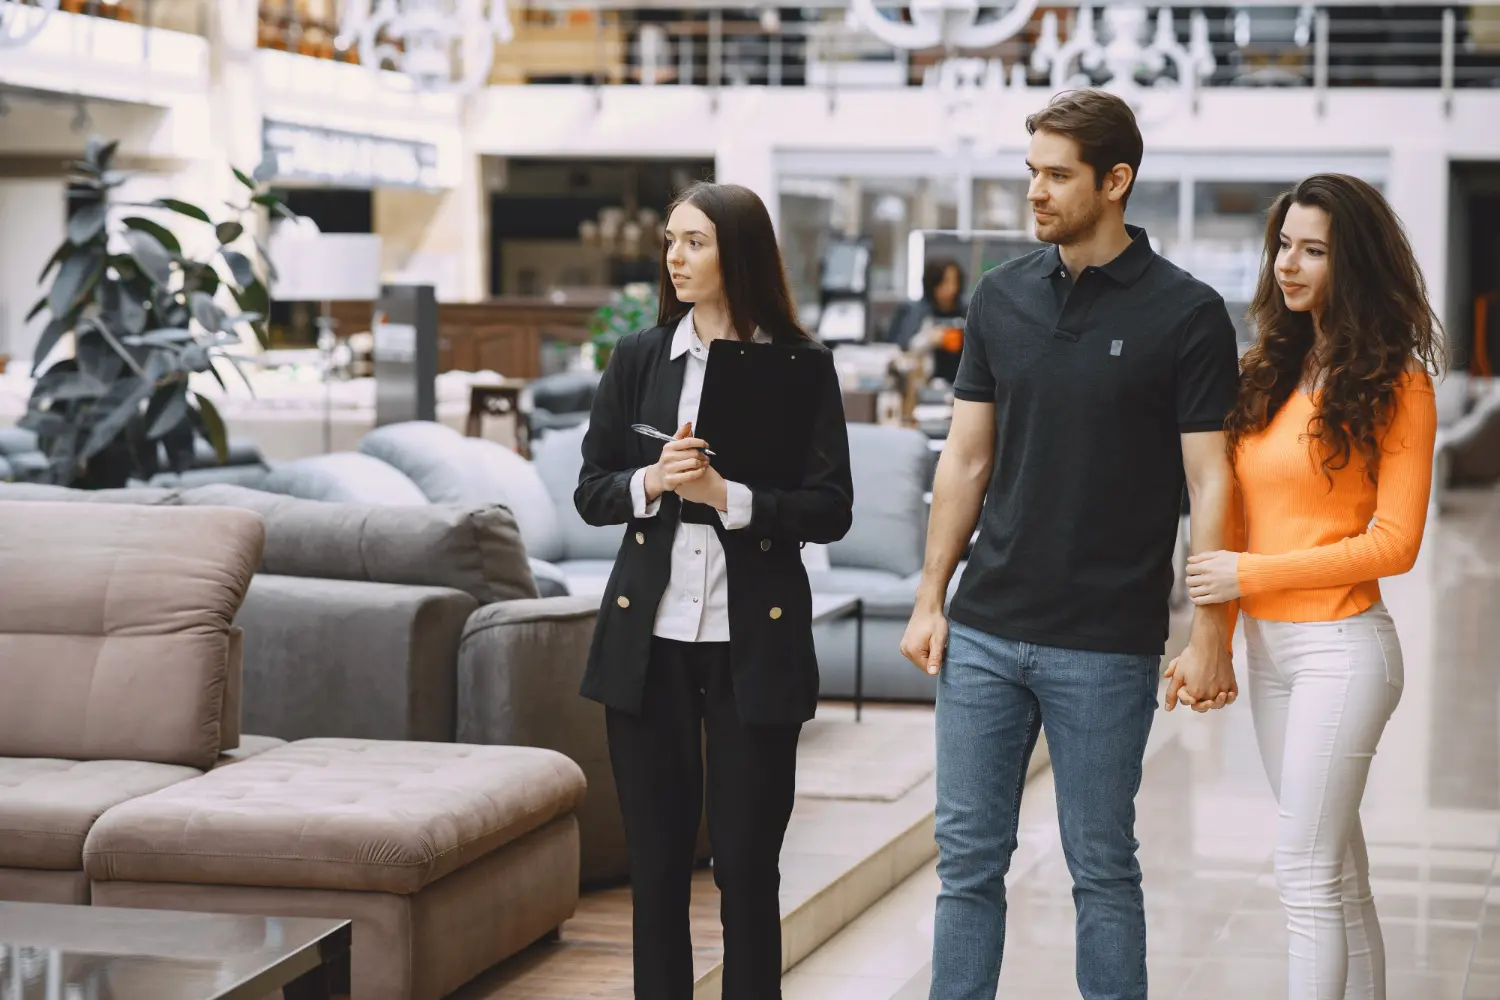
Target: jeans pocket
x=1390, y=652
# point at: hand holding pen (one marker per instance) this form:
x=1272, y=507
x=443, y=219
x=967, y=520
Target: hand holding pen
x=684, y=459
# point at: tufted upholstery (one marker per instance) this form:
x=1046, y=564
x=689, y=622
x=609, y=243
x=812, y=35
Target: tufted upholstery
x=115, y=635
x=336, y=814
x=48, y=805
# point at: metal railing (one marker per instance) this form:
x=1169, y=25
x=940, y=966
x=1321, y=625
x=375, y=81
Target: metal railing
x=813, y=45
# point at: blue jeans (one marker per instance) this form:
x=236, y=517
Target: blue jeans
x=994, y=696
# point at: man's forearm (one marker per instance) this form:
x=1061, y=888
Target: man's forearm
x=957, y=497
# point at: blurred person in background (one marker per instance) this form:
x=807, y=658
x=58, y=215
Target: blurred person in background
x=1332, y=443
x=921, y=324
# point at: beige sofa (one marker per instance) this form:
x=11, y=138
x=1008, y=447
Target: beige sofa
x=118, y=712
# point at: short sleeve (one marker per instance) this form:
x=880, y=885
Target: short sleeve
x=975, y=382
x=1208, y=369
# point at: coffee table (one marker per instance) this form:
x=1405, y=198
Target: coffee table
x=49, y=951
x=832, y=607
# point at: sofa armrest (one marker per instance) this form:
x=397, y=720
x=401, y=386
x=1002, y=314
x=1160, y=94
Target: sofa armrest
x=519, y=669
x=350, y=658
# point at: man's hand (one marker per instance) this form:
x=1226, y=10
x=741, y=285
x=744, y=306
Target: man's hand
x=926, y=637
x=1214, y=578
x=1202, y=678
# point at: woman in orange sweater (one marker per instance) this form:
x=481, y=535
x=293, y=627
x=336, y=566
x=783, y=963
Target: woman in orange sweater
x=1332, y=443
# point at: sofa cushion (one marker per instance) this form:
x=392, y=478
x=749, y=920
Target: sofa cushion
x=453, y=469
x=343, y=477
x=149, y=496
x=361, y=815
x=115, y=628
x=476, y=551
x=890, y=468
x=47, y=806
x=559, y=456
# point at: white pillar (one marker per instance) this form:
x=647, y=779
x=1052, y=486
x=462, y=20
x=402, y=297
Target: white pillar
x=33, y=223
x=1418, y=191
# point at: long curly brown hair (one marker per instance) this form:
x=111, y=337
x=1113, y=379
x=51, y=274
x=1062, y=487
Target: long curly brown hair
x=1376, y=319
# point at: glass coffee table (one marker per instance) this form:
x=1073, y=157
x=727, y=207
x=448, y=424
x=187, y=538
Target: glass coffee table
x=104, y=953
x=832, y=607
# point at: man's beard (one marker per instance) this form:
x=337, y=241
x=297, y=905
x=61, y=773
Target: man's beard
x=1074, y=229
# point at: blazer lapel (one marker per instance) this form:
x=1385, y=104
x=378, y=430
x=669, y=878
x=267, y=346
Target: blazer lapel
x=664, y=391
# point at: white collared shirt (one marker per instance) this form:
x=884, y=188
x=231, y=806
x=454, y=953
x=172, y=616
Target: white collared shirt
x=695, y=605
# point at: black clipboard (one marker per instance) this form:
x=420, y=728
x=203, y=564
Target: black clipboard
x=757, y=411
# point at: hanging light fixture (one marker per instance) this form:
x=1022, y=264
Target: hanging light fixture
x=1123, y=57
x=440, y=45
x=22, y=20
x=951, y=24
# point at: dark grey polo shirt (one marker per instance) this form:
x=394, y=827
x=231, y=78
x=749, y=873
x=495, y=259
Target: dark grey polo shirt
x=1093, y=382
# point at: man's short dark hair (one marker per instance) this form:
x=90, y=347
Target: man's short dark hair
x=1103, y=126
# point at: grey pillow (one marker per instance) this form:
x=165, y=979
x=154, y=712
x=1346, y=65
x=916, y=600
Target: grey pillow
x=559, y=456
x=451, y=468
x=477, y=551
x=343, y=477
x=890, y=466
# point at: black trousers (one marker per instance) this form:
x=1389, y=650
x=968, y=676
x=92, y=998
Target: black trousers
x=658, y=759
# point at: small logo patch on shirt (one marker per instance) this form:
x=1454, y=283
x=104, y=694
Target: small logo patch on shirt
x=1115, y=347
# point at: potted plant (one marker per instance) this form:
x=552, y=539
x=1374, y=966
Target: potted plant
x=143, y=316
x=633, y=309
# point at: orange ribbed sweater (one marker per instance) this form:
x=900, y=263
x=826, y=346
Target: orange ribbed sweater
x=1316, y=554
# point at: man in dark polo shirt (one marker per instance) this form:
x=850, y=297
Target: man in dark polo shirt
x=1094, y=383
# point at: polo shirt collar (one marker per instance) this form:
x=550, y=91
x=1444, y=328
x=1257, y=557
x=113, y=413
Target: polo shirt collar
x=1125, y=269
x=686, y=335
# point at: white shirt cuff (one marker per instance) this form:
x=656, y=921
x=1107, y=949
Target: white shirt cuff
x=741, y=504
x=638, y=495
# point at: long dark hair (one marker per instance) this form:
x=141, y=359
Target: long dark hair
x=749, y=262
x=1376, y=320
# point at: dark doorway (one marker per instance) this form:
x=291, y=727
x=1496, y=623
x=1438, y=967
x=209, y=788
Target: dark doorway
x=1473, y=318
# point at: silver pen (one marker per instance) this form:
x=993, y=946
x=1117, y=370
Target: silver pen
x=652, y=432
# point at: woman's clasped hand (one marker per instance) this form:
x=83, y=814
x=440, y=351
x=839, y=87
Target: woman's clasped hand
x=684, y=469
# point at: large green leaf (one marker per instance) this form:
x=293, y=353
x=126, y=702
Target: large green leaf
x=36, y=310
x=151, y=255
x=240, y=267
x=275, y=204
x=243, y=178
x=228, y=232
x=109, y=428
x=163, y=235
x=183, y=208
x=213, y=427
x=87, y=222
x=65, y=250
x=75, y=280
x=254, y=298
x=168, y=409
x=206, y=312
x=206, y=279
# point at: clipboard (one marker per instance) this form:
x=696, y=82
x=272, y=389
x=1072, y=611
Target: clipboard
x=757, y=411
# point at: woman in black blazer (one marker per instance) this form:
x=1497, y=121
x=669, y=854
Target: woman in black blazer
x=706, y=625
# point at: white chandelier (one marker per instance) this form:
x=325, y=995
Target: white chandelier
x=1123, y=55
x=951, y=24
x=441, y=45
x=22, y=20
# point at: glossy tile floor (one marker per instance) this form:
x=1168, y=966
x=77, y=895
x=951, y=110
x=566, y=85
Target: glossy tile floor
x=1216, y=930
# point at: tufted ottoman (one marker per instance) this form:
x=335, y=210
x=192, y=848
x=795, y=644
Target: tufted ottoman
x=448, y=858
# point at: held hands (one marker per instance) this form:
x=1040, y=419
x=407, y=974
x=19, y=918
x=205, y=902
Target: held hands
x=1214, y=577
x=1202, y=678
x=684, y=469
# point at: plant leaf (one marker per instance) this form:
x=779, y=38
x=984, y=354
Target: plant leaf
x=132, y=311
x=183, y=208
x=168, y=408
x=75, y=280
x=213, y=427
x=48, y=340
x=163, y=235
x=206, y=312
x=207, y=279
x=164, y=337
x=36, y=310
x=195, y=358
x=87, y=222
x=114, y=422
x=265, y=256
x=114, y=178
x=65, y=250
x=243, y=178
x=228, y=232
x=254, y=298
x=98, y=153
x=79, y=385
x=240, y=267
x=239, y=366
x=275, y=204
x=149, y=253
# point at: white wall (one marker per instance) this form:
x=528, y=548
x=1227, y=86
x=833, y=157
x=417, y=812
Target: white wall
x=34, y=208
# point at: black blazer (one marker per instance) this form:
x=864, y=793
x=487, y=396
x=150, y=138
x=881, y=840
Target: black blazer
x=770, y=604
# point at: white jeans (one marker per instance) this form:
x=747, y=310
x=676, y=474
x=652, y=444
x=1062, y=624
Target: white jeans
x=1321, y=693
